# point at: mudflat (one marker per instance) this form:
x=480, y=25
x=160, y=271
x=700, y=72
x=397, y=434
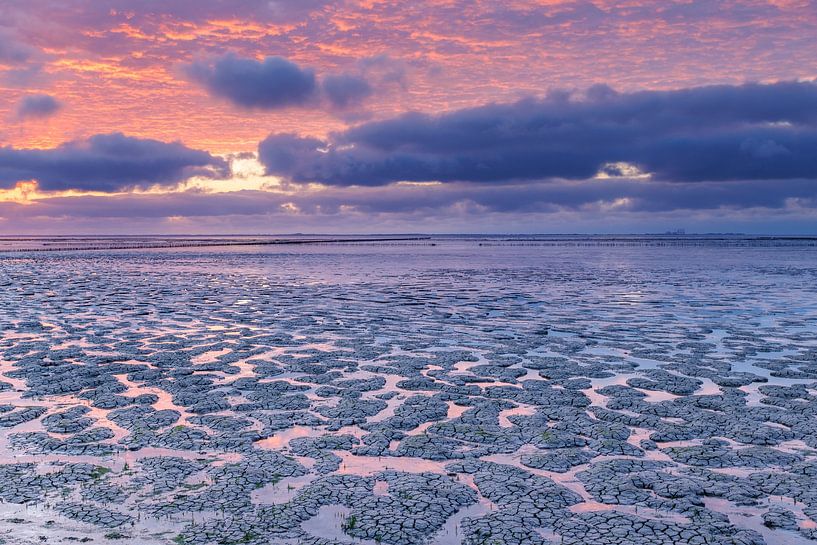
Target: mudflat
x=458, y=390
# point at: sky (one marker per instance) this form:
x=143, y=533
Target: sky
x=437, y=116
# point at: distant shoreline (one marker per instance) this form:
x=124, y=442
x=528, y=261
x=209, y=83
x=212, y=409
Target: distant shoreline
x=69, y=243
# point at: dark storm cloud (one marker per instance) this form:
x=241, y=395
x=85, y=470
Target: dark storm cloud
x=711, y=133
x=107, y=162
x=37, y=106
x=269, y=84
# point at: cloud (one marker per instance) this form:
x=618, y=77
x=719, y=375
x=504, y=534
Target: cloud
x=108, y=163
x=285, y=152
x=713, y=133
x=276, y=83
x=589, y=199
x=202, y=10
x=37, y=106
x=269, y=84
x=344, y=90
x=20, y=64
x=95, y=13
x=12, y=52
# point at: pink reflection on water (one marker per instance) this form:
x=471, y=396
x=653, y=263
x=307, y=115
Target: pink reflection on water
x=367, y=465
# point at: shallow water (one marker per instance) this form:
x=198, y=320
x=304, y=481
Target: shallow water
x=274, y=394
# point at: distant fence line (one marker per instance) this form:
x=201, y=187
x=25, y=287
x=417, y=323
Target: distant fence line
x=807, y=243
x=208, y=244
x=144, y=244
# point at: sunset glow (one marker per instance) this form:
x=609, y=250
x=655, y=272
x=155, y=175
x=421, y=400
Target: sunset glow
x=243, y=96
